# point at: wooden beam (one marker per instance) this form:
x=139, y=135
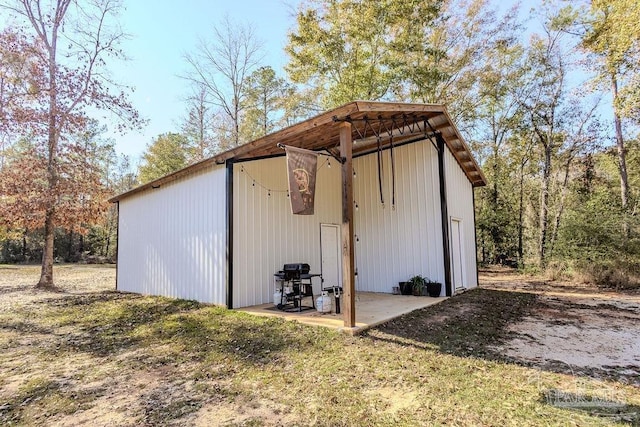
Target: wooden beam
x=320, y=132
x=375, y=106
x=348, y=273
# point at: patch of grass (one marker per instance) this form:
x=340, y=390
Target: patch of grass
x=474, y=331
x=163, y=406
x=153, y=361
x=41, y=398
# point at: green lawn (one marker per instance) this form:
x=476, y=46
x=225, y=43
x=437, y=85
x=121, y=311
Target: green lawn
x=105, y=358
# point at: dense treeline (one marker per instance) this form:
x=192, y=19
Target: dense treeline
x=550, y=105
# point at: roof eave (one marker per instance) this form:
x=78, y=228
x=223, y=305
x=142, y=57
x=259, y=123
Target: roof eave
x=323, y=119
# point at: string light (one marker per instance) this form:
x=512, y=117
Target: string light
x=356, y=203
x=329, y=163
x=354, y=173
x=255, y=182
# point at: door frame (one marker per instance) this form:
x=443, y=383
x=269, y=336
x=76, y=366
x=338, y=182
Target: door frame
x=460, y=245
x=339, y=251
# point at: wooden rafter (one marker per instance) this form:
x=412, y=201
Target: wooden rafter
x=322, y=132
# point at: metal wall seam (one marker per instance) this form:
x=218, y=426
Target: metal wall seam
x=267, y=235
x=397, y=243
x=170, y=238
x=460, y=198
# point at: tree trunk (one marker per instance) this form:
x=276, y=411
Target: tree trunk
x=107, y=244
x=24, y=246
x=520, y=219
x=622, y=163
x=544, y=206
x=563, y=197
x=70, y=247
x=46, y=273
x=484, y=251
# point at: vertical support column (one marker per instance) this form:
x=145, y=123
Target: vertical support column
x=348, y=271
x=444, y=210
x=117, y=240
x=229, y=236
x=475, y=235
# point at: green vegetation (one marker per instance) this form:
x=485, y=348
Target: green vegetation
x=547, y=99
x=166, y=154
x=145, y=360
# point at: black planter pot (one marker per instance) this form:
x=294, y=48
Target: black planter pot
x=406, y=288
x=434, y=289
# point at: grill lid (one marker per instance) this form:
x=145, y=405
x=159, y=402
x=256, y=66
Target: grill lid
x=302, y=268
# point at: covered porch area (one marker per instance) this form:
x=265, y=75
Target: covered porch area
x=393, y=245
x=371, y=309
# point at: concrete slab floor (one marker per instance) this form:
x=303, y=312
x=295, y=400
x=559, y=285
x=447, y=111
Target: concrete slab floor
x=372, y=309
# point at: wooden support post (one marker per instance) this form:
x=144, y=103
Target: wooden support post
x=348, y=270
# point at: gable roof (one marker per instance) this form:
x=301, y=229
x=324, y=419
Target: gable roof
x=387, y=121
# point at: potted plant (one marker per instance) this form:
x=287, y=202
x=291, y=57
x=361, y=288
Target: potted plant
x=418, y=283
x=406, y=288
x=433, y=288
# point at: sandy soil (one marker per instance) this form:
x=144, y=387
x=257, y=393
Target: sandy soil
x=571, y=328
x=17, y=282
x=574, y=328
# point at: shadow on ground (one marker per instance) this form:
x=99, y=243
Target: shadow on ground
x=468, y=325
x=109, y=323
x=476, y=323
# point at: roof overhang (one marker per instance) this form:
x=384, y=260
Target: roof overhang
x=373, y=123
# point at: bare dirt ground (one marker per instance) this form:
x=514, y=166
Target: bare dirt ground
x=573, y=328
x=17, y=282
x=92, y=356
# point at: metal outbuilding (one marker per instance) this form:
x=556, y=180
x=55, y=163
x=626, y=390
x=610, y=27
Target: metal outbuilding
x=394, y=198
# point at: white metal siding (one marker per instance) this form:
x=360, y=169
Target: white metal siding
x=267, y=235
x=460, y=206
x=172, y=240
x=394, y=245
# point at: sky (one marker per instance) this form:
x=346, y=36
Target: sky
x=164, y=30
x=161, y=32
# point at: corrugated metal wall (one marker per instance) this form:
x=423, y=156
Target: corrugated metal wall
x=172, y=240
x=460, y=206
x=266, y=233
x=397, y=244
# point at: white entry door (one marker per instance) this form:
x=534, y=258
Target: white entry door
x=331, y=254
x=457, y=254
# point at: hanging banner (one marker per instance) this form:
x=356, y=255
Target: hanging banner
x=301, y=170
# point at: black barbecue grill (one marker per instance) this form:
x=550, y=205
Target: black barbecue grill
x=294, y=284
x=293, y=271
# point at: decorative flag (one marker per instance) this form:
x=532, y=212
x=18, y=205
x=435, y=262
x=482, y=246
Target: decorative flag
x=301, y=170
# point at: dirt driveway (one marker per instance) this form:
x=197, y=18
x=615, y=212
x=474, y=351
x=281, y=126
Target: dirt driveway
x=576, y=329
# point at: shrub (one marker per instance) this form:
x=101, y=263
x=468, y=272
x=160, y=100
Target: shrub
x=615, y=274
